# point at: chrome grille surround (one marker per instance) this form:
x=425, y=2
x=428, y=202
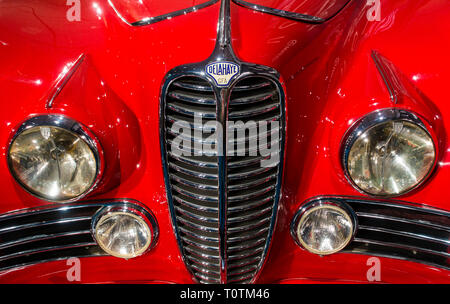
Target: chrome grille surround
x=56, y=232
x=223, y=208
x=396, y=229
x=215, y=249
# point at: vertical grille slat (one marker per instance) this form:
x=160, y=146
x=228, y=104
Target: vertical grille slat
x=194, y=180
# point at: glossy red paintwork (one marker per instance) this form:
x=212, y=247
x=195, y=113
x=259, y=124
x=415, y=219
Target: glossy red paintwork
x=330, y=80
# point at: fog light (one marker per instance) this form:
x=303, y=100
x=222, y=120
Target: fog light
x=324, y=227
x=124, y=233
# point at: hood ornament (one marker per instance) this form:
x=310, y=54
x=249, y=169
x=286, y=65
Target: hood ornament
x=223, y=66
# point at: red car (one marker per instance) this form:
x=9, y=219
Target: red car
x=207, y=141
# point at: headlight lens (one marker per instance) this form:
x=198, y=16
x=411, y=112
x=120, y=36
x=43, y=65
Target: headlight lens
x=389, y=153
x=51, y=161
x=123, y=234
x=325, y=228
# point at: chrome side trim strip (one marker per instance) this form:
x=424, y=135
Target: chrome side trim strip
x=62, y=80
x=395, y=245
x=88, y=252
x=394, y=256
x=45, y=249
x=39, y=224
x=393, y=93
x=280, y=13
x=41, y=237
x=406, y=234
x=407, y=221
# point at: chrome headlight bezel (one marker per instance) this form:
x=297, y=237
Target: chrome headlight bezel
x=142, y=214
x=320, y=203
x=371, y=120
x=63, y=122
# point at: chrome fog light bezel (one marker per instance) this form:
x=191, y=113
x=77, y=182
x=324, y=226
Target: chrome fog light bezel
x=139, y=214
x=318, y=204
x=62, y=122
x=373, y=119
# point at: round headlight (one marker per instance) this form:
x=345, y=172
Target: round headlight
x=123, y=233
x=389, y=153
x=324, y=228
x=53, y=158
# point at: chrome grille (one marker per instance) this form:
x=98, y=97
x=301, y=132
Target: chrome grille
x=250, y=191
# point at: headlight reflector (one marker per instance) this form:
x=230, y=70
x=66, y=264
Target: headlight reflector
x=389, y=153
x=324, y=228
x=53, y=158
x=123, y=233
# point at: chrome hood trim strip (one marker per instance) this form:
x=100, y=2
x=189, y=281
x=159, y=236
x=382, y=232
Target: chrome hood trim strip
x=151, y=20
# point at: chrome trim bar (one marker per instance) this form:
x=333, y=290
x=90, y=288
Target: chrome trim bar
x=62, y=80
x=280, y=13
x=47, y=223
x=151, y=20
x=45, y=249
x=407, y=221
x=406, y=234
x=393, y=255
x=393, y=93
x=224, y=30
x=42, y=237
x=395, y=245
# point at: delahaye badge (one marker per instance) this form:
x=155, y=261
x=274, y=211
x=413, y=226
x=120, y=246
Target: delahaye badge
x=222, y=72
